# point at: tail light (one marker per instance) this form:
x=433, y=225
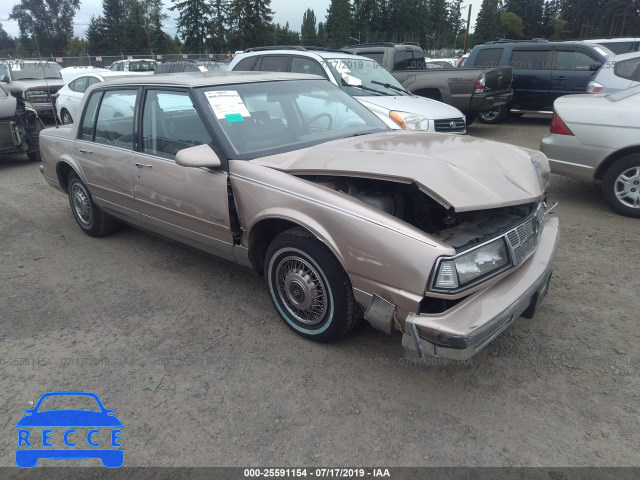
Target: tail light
x=480, y=84
x=558, y=126
x=594, y=87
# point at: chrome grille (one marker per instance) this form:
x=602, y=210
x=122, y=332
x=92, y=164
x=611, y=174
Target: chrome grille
x=450, y=125
x=523, y=239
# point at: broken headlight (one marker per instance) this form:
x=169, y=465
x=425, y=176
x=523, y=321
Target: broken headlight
x=467, y=268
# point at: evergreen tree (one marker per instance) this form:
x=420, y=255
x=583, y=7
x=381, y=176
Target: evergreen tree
x=49, y=23
x=250, y=23
x=7, y=44
x=363, y=12
x=338, y=24
x=531, y=12
x=488, y=22
x=308, y=33
x=322, y=35
x=218, y=25
x=194, y=19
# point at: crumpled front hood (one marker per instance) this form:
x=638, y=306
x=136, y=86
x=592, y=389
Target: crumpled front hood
x=462, y=172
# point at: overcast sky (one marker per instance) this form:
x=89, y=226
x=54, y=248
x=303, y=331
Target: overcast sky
x=284, y=11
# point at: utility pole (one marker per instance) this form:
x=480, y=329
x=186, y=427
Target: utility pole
x=466, y=34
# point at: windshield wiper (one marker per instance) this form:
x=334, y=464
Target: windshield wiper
x=388, y=85
x=362, y=87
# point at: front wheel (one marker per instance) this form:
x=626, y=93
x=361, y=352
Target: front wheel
x=66, y=118
x=91, y=219
x=309, y=288
x=493, y=116
x=621, y=186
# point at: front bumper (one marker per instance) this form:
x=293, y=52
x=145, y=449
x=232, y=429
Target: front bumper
x=464, y=330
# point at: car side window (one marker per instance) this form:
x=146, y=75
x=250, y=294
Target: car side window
x=531, y=59
x=488, y=57
x=170, y=123
x=79, y=85
x=246, y=64
x=629, y=69
x=115, y=118
x=306, y=65
x=275, y=63
x=93, y=80
x=86, y=130
x=572, y=60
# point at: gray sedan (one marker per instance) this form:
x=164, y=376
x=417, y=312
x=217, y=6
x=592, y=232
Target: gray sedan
x=597, y=138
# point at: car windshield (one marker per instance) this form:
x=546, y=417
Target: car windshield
x=35, y=71
x=69, y=402
x=364, y=77
x=266, y=118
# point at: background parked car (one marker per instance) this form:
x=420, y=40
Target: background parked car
x=135, y=65
x=69, y=96
x=618, y=45
x=362, y=78
x=542, y=71
x=19, y=125
x=36, y=79
x=69, y=73
x=176, y=66
x=597, y=138
x=621, y=72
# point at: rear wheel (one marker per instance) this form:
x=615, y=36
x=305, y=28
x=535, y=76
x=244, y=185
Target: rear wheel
x=66, y=117
x=90, y=218
x=309, y=288
x=491, y=117
x=621, y=186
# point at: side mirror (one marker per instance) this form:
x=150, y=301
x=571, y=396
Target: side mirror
x=199, y=156
x=17, y=92
x=594, y=67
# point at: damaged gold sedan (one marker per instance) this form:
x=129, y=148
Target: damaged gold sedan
x=446, y=238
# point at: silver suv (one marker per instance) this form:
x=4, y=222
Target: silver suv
x=362, y=78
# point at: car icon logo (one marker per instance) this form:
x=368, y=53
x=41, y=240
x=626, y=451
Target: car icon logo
x=69, y=433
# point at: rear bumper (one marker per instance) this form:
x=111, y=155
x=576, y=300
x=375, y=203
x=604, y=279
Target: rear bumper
x=467, y=328
x=481, y=102
x=571, y=158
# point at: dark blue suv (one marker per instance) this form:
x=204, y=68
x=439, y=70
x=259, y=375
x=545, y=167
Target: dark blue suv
x=542, y=71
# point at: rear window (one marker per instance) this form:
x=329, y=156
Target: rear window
x=488, y=57
x=622, y=94
x=408, y=60
x=620, y=47
x=377, y=56
x=629, y=69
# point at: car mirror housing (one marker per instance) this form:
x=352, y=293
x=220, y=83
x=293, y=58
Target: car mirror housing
x=4, y=79
x=595, y=67
x=199, y=156
x=17, y=92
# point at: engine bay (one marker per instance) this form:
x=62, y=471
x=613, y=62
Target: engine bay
x=408, y=203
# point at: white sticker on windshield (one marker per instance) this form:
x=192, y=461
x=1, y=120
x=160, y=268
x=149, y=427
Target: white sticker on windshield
x=227, y=104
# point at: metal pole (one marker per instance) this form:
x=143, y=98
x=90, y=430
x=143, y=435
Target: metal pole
x=466, y=34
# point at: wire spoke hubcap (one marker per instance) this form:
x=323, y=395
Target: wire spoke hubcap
x=627, y=187
x=301, y=290
x=81, y=204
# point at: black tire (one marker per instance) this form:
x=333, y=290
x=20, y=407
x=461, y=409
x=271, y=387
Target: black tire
x=493, y=116
x=621, y=186
x=89, y=217
x=470, y=118
x=309, y=288
x=65, y=117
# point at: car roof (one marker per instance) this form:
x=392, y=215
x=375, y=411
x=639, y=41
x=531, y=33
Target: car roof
x=626, y=56
x=203, y=79
x=309, y=52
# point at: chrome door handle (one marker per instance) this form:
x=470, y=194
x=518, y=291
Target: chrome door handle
x=82, y=150
x=142, y=165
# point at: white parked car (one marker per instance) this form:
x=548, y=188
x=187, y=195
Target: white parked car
x=597, y=138
x=362, y=78
x=69, y=96
x=620, y=73
x=143, y=66
x=69, y=73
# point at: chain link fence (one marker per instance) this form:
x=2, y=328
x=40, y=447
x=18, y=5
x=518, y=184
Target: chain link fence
x=103, y=61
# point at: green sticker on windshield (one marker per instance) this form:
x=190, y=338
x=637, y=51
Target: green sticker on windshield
x=234, y=118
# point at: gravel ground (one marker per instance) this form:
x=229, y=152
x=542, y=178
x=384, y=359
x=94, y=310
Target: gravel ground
x=189, y=352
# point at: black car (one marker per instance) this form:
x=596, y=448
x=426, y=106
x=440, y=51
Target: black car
x=177, y=66
x=19, y=125
x=542, y=71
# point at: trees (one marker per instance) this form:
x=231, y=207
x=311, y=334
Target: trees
x=338, y=24
x=488, y=22
x=308, y=33
x=511, y=25
x=7, y=44
x=49, y=23
x=193, y=22
x=250, y=23
x=531, y=12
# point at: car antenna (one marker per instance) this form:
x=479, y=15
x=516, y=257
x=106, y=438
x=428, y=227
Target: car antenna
x=53, y=107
